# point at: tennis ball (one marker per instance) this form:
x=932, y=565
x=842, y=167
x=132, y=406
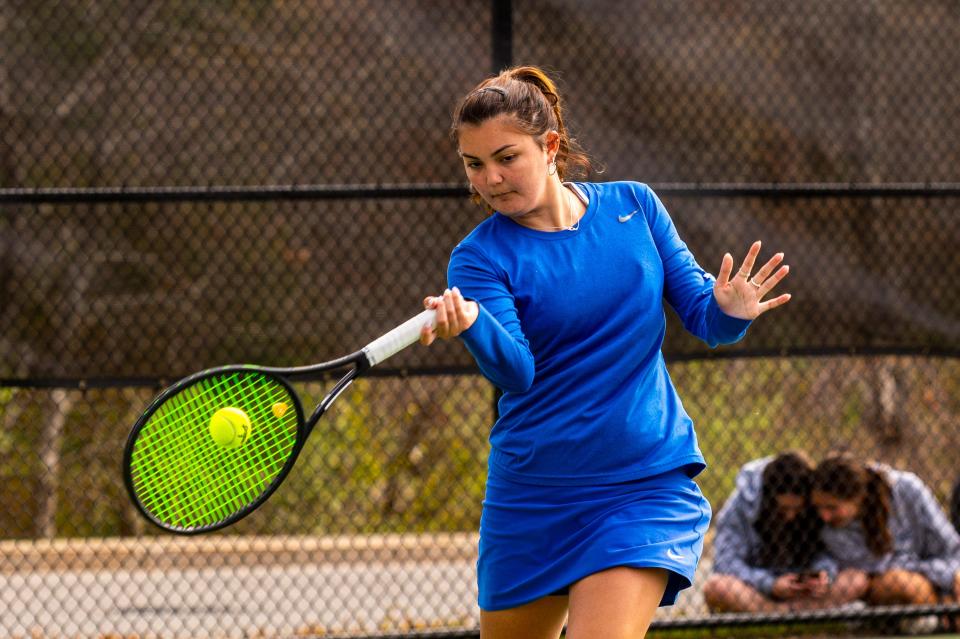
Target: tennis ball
x=280, y=409
x=230, y=427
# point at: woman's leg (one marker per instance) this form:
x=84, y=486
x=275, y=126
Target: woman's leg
x=540, y=619
x=904, y=587
x=849, y=585
x=901, y=587
x=617, y=603
x=726, y=593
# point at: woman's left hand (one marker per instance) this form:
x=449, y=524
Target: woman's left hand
x=741, y=296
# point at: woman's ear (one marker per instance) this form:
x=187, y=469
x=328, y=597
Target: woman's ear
x=552, y=143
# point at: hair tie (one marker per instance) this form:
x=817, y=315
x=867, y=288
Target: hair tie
x=502, y=92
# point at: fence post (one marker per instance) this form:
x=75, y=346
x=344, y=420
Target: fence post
x=501, y=31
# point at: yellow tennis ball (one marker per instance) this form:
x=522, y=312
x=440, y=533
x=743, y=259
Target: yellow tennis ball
x=280, y=409
x=230, y=427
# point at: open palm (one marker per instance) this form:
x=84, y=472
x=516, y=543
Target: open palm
x=742, y=295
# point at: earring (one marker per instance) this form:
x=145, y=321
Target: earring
x=472, y=189
x=552, y=168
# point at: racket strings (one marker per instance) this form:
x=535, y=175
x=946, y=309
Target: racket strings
x=183, y=478
x=217, y=500
x=207, y=501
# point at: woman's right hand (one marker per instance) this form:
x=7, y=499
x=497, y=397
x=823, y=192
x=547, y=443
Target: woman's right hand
x=454, y=315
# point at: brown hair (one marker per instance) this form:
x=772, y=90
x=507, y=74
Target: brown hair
x=531, y=98
x=841, y=476
x=794, y=544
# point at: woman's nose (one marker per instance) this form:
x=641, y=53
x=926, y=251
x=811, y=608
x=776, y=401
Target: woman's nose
x=494, y=177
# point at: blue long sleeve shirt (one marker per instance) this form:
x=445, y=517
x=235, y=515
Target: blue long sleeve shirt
x=924, y=540
x=570, y=328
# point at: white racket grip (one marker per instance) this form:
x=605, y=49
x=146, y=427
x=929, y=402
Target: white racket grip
x=399, y=338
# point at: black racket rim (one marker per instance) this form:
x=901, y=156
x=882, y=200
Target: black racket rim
x=175, y=389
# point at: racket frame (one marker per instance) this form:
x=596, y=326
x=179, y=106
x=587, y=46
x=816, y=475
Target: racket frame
x=357, y=363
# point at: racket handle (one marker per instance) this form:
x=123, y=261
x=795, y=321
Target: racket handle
x=399, y=338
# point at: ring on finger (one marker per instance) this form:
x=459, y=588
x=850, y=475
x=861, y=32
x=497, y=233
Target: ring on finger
x=744, y=274
x=755, y=283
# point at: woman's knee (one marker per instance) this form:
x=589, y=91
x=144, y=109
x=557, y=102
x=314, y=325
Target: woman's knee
x=851, y=584
x=718, y=588
x=901, y=586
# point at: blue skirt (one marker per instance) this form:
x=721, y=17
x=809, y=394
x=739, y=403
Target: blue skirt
x=538, y=540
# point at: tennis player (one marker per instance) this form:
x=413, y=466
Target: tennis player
x=591, y=514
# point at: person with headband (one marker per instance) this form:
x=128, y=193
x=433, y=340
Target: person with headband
x=768, y=554
x=591, y=516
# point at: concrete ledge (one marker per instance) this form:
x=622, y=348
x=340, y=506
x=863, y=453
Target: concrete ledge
x=211, y=551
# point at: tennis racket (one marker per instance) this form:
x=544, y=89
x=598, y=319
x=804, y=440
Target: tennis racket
x=214, y=446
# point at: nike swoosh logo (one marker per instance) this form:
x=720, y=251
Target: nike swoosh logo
x=672, y=554
x=624, y=218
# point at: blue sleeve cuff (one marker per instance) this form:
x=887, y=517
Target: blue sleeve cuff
x=500, y=358
x=765, y=583
x=826, y=565
x=723, y=328
x=477, y=329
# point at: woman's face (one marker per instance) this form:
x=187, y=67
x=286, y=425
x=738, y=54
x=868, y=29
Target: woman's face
x=790, y=506
x=833, y=510
x=506, y=166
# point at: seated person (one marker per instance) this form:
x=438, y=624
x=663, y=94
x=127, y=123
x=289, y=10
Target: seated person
x=889, y=524
x=768, y=556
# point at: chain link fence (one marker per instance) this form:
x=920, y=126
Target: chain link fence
x=189, y=184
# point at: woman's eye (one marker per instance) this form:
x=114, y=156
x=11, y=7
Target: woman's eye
x=508, y=158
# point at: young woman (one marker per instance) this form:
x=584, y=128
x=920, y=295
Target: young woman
x=768, y=555
x=889, y=524
x=590, y=503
